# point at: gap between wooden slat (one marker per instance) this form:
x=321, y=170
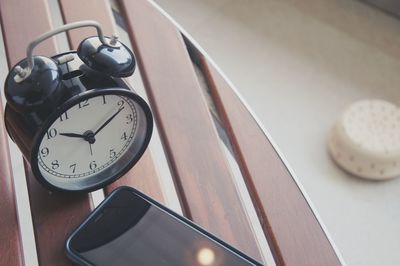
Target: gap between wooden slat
x=56, y=18
x=251, y=212
x=237, y=175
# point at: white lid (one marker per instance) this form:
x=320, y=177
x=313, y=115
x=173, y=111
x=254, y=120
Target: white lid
x=365, y=140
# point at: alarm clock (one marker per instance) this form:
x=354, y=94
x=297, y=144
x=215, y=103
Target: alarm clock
x=78, y=124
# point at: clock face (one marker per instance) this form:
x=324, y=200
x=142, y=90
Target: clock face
x=89, y=138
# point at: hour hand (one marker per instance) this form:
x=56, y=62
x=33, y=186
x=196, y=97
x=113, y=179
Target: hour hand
x=73, y=135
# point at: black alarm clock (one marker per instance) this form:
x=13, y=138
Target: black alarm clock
x=76, y=121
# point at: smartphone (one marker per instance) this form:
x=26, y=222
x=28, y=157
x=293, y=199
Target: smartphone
x=130, y=228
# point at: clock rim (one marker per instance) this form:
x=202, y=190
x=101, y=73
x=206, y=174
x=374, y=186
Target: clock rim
x=74, y=100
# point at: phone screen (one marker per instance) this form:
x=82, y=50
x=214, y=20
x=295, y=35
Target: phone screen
x=129, y=230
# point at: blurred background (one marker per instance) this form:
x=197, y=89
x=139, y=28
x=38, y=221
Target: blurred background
x=299, y=64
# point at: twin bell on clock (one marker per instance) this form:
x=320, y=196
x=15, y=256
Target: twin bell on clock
x=76, y=121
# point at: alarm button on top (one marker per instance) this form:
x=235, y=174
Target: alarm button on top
x=41, y=87
x=115, y=61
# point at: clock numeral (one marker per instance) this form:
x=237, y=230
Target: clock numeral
x=104, y=99
x=129, y=118
x=64, y=116
x=121, y=103
x=83, y=103
x=55, y=164
x=51, y=133
x=112, y=153
x=44, y=152
x=124, y=136
x=73, y=167
x=92, y=165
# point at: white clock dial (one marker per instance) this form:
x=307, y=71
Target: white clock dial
x=90, y=137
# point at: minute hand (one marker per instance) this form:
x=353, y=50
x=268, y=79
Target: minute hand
x=108, y=121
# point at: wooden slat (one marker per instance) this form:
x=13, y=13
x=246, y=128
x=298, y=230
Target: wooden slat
x=22, y=22
x=10, y=244
x=295, y=235
x=143, y=175
x=199, y=167
x=54, y=215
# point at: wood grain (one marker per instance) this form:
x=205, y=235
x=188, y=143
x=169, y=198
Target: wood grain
x=143, y=175
x=203, y=179
x=293, y=232
x=54, y=215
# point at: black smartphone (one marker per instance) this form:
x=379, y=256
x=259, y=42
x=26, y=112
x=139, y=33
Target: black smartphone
x=129, y=228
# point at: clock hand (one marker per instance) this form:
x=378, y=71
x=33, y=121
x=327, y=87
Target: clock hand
x=108, y=120
x=73, y=135
x=88, y=136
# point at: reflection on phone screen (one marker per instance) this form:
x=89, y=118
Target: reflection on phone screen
x=131, y=231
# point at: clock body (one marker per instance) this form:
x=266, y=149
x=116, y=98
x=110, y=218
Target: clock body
x=91, y=132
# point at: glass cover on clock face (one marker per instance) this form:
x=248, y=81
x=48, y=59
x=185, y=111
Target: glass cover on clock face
x=92, y=141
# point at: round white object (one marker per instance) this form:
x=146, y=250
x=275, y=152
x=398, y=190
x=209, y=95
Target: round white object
x=365, y=140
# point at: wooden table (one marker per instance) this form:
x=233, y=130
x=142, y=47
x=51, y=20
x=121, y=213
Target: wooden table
x=210, y=141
